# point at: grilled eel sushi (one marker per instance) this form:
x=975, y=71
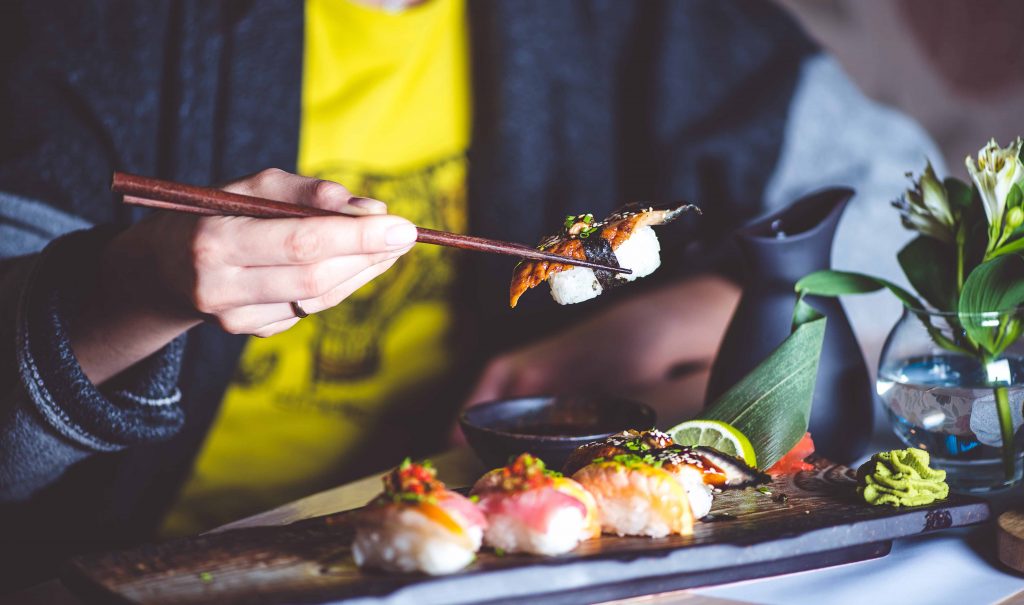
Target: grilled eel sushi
x=699, y=470
x=417, y=525
x=531, y=509
x=624, y=239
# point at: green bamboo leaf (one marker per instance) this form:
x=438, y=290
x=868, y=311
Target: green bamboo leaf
x=930, y=266
x=993, y=287
x=772, y=404
x=803, y=313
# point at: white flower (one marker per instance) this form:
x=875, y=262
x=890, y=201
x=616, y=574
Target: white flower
x=995, y=173
x=925, y=207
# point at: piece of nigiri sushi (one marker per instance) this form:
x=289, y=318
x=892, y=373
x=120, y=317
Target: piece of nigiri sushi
x=624, y=239
x=699, y=470
x=531, y=509
x=416, y=525
x=630, y=441
x=636, y=497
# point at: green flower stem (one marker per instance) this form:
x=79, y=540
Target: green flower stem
x=961, y=238
x=1006, y=430
x=1016, y=245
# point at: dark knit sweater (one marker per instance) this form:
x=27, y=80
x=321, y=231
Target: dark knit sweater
x=577, y=107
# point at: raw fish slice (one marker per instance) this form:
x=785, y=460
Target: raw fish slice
x=462, y=509
x=530, y=509
x=417, y=525
x=592, y=519
x=536, y=508
x=410, y=538
x=636, y=499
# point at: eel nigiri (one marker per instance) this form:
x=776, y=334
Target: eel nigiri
x=699, y=470
x=416, y=524
x=630, y=441
x=531, y=509
x=624, y=239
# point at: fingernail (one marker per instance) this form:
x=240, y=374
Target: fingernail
x=366, y=203
x=332, y=191
x=400, y=235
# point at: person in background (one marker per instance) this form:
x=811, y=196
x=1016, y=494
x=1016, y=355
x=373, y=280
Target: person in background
x=133, y=403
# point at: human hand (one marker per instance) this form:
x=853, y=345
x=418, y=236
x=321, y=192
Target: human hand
x=244, y=272
x=656, y=347
x=172, y=270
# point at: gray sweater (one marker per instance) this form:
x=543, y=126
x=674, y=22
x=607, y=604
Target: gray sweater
x=576, y=105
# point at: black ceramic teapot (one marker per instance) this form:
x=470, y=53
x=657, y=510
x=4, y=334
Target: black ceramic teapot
x=777, y=251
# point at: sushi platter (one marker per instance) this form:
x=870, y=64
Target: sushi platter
x=796, y=522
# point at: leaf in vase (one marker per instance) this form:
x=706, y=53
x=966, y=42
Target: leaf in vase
x=772, y=404
x=930, y=266
x=993, y=287
x=836, y=283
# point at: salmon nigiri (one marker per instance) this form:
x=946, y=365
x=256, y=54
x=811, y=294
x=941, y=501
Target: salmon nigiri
x=416, y=524
x=637, y=497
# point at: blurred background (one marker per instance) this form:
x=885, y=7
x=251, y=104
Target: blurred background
x=956, y=66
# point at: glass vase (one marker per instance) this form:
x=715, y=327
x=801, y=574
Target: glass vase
x=943, y=393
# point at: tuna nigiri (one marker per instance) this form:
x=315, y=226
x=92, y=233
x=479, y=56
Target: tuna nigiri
x=531, y=509
x=416, y=524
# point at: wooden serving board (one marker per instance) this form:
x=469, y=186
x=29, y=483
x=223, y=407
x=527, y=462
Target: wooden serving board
x=818, y=523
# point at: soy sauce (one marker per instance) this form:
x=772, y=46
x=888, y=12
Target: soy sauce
x=555, y=429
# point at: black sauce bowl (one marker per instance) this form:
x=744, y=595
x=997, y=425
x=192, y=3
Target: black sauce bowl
x=547, y=427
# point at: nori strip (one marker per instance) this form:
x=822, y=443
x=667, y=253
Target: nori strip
x=597, y=250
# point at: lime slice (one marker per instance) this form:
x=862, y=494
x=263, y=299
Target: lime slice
x=713, y=433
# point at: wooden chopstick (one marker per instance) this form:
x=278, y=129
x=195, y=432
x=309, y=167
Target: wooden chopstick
x=168, y=195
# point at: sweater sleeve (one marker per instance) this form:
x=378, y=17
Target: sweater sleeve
x=51, y=415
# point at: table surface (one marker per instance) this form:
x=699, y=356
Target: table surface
x=956, y=566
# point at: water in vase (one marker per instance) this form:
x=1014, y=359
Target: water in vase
x=943, y=404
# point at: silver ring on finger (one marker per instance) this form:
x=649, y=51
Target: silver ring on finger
x=298, y=310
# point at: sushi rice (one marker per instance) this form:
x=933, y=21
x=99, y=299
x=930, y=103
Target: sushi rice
x=408, y=539
x=417, y=525
x=508, y=532
x=533, y=510
x=641, y=253
x=637, y=499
